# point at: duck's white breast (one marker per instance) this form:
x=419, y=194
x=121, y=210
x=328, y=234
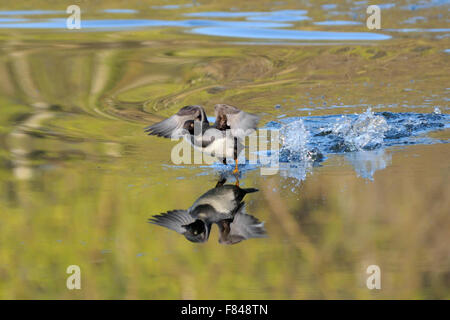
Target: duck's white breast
x=221, y=148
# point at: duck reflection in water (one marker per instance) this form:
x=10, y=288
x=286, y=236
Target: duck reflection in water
x=221, y=205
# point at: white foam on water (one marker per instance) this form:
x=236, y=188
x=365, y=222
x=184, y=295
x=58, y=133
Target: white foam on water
x=367, y=131
x=295, y=160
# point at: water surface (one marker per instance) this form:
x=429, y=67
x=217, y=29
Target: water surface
x=363, y=173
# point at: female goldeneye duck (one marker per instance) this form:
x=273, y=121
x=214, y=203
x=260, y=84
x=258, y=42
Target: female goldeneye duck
x=222, y=139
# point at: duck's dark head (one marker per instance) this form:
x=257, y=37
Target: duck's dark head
x=195, y=127
x=197, y=231
x=189, y=126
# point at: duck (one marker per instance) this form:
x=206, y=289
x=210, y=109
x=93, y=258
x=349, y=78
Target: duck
x=243, y=226
x=221, y=205
x=222, y=140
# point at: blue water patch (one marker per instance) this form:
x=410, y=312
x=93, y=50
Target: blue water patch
x=289, y=34
x=337, y=23
x=240, y=29
x=2, y=20
x=121, y=24
x=120, y=11
x=229, y=24
x=251, y=14
x=223, y=14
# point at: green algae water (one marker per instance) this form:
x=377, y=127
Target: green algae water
x=80, y=178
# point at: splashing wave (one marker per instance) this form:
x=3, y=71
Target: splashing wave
x=307, y=140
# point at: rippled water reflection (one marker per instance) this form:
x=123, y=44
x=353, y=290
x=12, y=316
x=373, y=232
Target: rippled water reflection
x=355, y=187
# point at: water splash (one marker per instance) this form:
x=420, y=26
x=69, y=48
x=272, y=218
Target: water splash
x=437, y=110
x=294, y=139
x=294, y=156
x=361, y=138
x=366, y=132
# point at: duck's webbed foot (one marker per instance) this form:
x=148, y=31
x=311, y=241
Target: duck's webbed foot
x=236, y=170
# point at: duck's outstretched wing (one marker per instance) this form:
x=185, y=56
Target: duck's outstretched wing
x=240, y=123
x=173, y=127
x=174, y=220
x=244, y=226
